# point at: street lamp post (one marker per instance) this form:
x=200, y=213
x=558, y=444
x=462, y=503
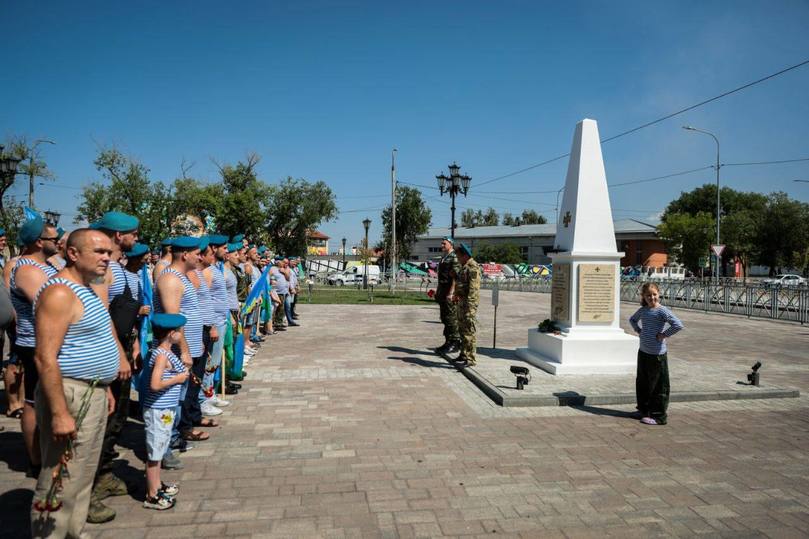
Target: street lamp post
x=52, y=217
x=559, y=192
x=394, y=268
x=366, y=223
x=8, y=166
x=31, y=170
x=718, y=201
x=453, y=184
x=344, y=253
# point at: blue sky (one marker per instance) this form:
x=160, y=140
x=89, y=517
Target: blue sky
x=324, y=90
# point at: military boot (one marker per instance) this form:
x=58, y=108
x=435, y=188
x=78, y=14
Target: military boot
x=453, y=347
x=443, y=348
x=98, y=512
x=108, y=485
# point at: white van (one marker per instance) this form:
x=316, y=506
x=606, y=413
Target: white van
x=354, y=275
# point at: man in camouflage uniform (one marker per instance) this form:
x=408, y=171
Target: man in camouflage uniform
x=448, y=268
x=467, y=297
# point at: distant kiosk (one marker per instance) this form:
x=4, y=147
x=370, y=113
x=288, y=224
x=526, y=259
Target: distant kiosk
x=585, y=294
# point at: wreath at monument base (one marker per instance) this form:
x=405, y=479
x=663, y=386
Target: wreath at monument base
x=549, y=326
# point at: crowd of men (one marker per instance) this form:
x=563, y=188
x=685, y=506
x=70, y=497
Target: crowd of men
x=81, y=341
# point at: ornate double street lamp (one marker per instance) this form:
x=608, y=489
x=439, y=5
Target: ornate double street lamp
x=52, y=217
x=8, y=166
x=453, y=184
x=718, y=166
x=366, y=223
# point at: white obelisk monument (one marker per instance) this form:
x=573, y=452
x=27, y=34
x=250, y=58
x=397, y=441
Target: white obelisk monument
x=585, y=296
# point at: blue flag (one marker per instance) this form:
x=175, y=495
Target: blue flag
x=256, y=291
x=145, y=326
x=29, y=213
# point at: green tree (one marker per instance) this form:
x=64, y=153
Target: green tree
x=687, y=236
x=471, y=218
x=294, y=208
x=11, y=213
x=502, y=253
x=243, y=207
x=125, y=186
x=741, y=234
x=784, y=232
x=510, y=220
x=412, y=219
x=531, y=217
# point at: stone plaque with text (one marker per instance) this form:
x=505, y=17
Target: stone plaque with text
x=596, y=292
x=560, y=293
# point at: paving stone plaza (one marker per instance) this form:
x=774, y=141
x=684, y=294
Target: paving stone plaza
x=350, y=427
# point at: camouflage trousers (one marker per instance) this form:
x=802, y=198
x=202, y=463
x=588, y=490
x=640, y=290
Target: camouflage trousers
x=467, y=330
x=449, y=317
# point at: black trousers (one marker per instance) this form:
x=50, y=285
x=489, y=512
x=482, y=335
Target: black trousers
x=192, y=413
x=652, y=386
x=116, y=422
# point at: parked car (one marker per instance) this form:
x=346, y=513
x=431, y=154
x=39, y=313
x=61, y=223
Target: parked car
x=354, y=275
x=785, y=279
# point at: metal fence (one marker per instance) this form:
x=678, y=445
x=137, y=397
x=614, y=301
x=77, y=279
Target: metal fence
x=753, y=301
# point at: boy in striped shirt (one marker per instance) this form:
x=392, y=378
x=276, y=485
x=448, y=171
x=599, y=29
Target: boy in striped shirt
x=166, y=375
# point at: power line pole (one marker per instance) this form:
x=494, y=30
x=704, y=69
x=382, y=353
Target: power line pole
x=32, y=170
x=393, y=266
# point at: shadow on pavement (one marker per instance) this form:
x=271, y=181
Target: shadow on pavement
x=15, y=512
x=12, y=451
x=595, y=410
x=498, y=353
x=422, y=362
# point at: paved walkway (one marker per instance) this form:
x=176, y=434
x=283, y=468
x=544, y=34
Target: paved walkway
x=348, y=427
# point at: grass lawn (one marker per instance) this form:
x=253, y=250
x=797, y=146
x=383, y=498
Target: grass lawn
x=354, y=296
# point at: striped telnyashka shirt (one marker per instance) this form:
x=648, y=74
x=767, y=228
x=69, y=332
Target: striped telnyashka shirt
x=649, y=322
x=89, y=350
x=189, y=307
x=169, y=397
x=23, y=307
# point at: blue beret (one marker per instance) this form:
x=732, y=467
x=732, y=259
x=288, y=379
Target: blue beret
x=447, y=238
x=31, y=230
x=139, y=249
x=168, y=321
x=204, y=241
x=237, y=238
x=464, y=248
x=166, y=242
x=217, y=239
x=59, y=233
x=262, y=249
x=235, y=246
x=117, y=222
x=2, y=231
x=185, y=243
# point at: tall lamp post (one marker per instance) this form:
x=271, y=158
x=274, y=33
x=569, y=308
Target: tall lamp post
x=394, y=269
x=31, y=170
x=453, y=184
x=52, y=217
x=718, y=204
x=344, y=253
x=366, y=223
x=8, y=166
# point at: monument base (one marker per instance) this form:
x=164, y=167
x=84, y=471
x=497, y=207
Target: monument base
x=582, y=351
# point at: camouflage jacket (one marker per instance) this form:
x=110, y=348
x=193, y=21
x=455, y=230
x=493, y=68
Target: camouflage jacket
x=467, y=286
x=448, y=269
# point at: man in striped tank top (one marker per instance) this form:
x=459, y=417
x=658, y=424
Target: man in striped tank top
x=119, y=294
x=75, y=349
x=28, y=275
x=176, y=295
